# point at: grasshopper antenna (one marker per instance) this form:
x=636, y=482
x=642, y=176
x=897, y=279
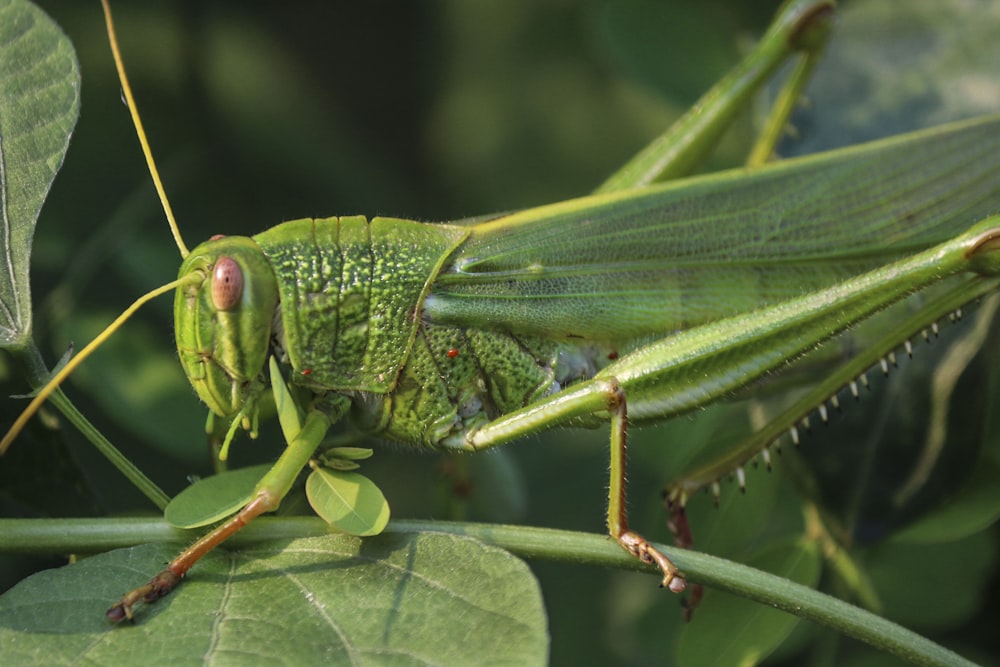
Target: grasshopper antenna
x=137, y=122
x=57, y=379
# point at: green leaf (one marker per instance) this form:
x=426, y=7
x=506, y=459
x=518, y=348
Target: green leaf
x=349, y=502
x=974, y=509
x=907, y=579
x=39, y=103
x=214, y=498
x=349, y=453
x=402, y=599
x=640, y=36
x=861, y=92
x=343, y=458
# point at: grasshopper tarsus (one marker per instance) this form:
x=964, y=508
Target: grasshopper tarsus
x=117, y=614
x=688, y=603
x=684, y=539
x=639, y=547
x=680, y=528
x=156, y=588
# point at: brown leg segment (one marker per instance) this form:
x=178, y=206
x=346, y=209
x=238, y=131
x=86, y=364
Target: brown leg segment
x=166, y=581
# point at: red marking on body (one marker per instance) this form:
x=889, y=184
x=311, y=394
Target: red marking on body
x=216, y=237
x=306, y=371
x=452, y=353
x=612, y=355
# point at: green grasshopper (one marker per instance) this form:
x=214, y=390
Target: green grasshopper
x=571, y=336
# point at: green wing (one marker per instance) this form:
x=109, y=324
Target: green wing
x=627, y=265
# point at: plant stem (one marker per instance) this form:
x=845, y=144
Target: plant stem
x=91, y=535
x=38, y=375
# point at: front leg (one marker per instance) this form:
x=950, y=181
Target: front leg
x=264, y=500
x=267, y=496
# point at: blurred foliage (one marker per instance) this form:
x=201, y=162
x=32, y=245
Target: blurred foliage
x=263, y=112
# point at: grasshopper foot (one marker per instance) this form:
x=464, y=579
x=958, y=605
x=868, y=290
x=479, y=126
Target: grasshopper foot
x=683, y=538
x=157, y=587
x=637, y=545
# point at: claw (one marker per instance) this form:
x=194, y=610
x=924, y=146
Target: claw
x=637, y=545
x=157, y=587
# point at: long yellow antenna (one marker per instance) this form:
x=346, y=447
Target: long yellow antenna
x=127, y=90
x=71, y=365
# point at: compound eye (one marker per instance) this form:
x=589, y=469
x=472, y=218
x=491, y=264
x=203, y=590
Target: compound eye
x=227, y=284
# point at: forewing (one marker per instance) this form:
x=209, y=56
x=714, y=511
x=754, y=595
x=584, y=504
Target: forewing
x=623, y=266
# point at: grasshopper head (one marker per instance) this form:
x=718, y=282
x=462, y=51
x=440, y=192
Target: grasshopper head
x=223, y=322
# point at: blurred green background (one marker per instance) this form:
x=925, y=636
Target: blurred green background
x=263, y=112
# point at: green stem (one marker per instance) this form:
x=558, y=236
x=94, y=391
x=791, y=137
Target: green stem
x=89, y=535
x=38, y=374
x=138, y=478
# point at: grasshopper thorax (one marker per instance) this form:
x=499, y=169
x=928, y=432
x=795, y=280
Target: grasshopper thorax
x=223, y=322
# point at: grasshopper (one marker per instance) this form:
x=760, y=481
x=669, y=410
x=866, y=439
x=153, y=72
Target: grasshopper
x=573, y=338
